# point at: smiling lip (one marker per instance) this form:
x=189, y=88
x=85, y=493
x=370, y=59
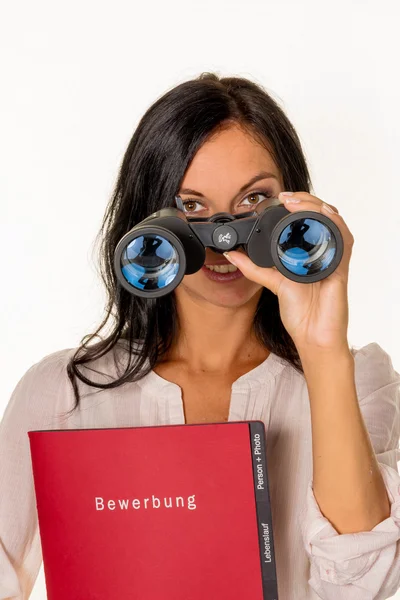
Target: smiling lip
x=221, y=277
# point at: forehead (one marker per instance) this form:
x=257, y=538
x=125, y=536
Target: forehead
x=228, y=159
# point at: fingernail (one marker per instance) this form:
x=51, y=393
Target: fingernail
x=229, y=258
x=287, y=197
x=328, y=208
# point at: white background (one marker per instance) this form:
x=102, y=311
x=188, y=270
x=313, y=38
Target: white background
x=77, y=77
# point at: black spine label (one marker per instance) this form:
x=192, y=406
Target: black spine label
x=263, y=509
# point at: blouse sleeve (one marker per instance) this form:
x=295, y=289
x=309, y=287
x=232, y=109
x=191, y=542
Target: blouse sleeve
x=363, y=565
x=33, y=403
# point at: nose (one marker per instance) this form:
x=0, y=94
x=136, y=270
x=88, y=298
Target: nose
x=221, y=217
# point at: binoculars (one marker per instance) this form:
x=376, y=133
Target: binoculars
x=153, y=257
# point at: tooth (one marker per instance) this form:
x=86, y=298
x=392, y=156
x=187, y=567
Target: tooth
x=222, y=268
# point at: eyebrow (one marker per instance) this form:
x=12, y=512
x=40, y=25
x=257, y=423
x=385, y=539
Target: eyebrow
x=261, y=175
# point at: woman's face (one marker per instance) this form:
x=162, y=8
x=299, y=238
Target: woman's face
x=219, y=180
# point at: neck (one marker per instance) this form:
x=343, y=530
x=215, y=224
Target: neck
x=215, y=339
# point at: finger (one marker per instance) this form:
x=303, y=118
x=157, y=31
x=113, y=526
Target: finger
x=268, y=277
x=308, y=202
x=305, y=196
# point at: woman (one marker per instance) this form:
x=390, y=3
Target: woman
x=238, y=345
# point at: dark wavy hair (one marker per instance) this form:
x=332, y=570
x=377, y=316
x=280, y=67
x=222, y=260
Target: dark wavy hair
x=165, y=141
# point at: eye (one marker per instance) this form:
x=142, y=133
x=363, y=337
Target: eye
x=189, y=204
x=256, y=195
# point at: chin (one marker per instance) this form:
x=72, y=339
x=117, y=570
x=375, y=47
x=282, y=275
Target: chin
x=221, y=294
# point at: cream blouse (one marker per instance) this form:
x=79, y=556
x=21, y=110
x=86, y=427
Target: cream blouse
x=313, y=560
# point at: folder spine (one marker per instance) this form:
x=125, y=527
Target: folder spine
x=263, y=510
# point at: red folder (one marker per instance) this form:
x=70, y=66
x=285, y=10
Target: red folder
x=176, y=512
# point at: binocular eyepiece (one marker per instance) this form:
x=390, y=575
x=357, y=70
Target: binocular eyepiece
x=153, y=257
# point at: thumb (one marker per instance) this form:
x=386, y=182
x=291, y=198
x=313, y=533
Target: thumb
x=269, y=277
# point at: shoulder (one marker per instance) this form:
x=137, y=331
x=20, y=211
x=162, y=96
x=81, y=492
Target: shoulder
x=45, y=392
x=41, y=391
x=52, y=374
x=48, y=370
x=52, y=368
x=373, y=369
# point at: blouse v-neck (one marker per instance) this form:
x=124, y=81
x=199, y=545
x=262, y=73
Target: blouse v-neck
x=249, y=393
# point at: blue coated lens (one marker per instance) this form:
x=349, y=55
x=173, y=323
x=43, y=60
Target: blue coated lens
x=306, y=247
x=149, y=262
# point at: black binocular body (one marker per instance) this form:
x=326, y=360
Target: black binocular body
x=153, y=257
